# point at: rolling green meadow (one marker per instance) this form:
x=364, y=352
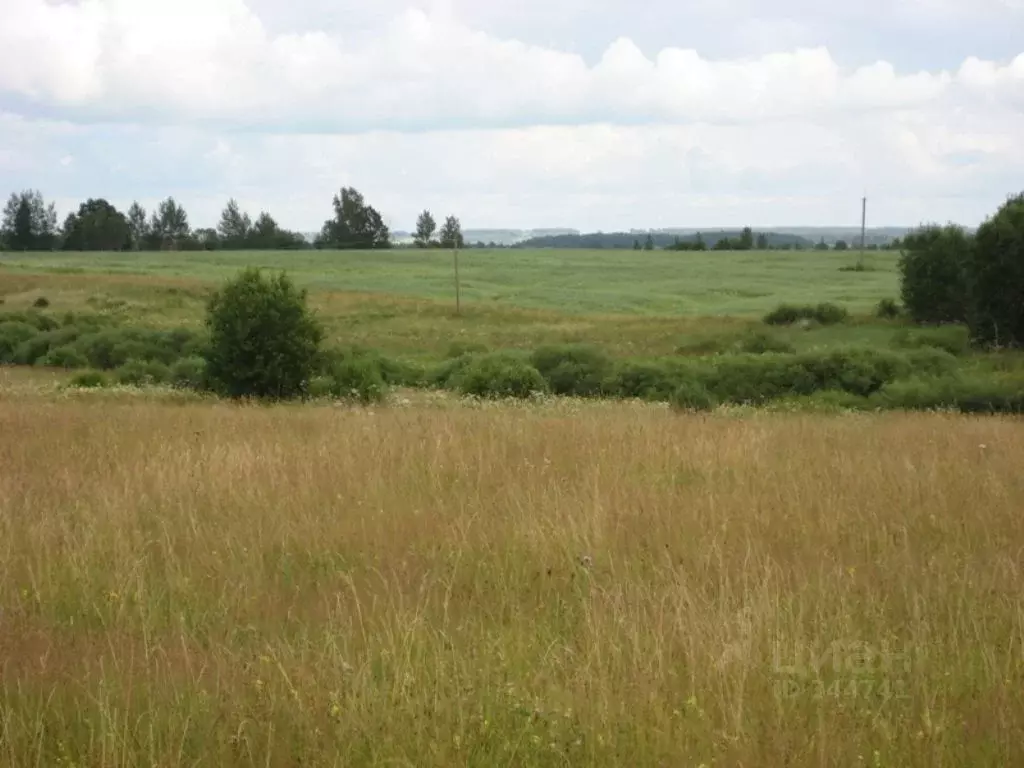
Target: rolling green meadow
x=434, y=579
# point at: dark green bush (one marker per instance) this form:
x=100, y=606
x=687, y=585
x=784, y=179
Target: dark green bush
x=861, y=372
x=824, y=313
x=66, y=357
x=786, y=314
x=829, y=314
x=394, y=372
x=955, y=339
x=444, y=375
x=189, y=373
x=934, y=274
x=573, y=369
x=499, y=375
x=142, y=373
x=37, y=320
x=650, y=380
x=355, y=378
x=41, y=303
x=760, y=343
x=965, y=394
x=88, y=380
x=14, y=333
x=692, y=395
x=888, y=309
x=36, y=348
x=263, y=339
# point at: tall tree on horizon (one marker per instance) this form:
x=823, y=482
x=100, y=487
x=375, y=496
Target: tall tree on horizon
x=425, y=229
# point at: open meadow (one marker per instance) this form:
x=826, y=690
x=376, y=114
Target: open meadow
x=433, y=580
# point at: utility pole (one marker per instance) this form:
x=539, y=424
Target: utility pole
x=458, y=297
x=863, y=227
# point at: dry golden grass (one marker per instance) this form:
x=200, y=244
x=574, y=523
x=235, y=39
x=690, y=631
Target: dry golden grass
x=200, y=584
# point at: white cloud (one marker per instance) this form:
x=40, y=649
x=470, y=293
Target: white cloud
x=215, y=60
x=431, y=104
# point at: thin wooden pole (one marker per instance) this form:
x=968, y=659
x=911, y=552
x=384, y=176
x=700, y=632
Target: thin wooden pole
x=458, y=291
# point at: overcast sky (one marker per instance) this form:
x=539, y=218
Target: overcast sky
x=536, y=113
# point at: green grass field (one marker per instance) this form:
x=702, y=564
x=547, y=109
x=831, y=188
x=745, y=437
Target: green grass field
x=403, y=302
x=595, y=282
x=444, y=581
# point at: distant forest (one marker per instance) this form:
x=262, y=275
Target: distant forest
x=661, y=240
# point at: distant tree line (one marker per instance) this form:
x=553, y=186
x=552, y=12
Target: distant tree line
x=30, y=224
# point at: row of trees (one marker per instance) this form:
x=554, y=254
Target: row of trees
x=30, y=224
x=951, y=276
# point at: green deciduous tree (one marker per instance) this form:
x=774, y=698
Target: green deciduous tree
x=354, y=225
x=997, y=277
x=169, y=226
x=235, y=226
x=451, y=233
x=935, y=270
x=649, y=243
x=138, y=225
x=29, y=224
x=425, y=229
x=98, y=226
x=264, y=340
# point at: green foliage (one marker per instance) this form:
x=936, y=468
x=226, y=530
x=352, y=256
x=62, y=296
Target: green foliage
x=264, y=341
x=354, y=225
x=692, y=395
x=965, y=394
x=112, y=347
x=353, y=378
x=997, y=312
x=37, y=320
x=760, y=343
x=142, y=373
x=955, y=339
x=14, y=333
x=577, y=369
x=824, y=313
x=934, y=270
x=888, y=309
x=189, y=373
x=41, y=303
x=88, y=380
x=499, y=375
x=66, y=357
x=98, y=226
x=649, y=379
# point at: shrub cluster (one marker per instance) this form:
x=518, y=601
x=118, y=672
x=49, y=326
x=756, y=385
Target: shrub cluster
x=824, y=314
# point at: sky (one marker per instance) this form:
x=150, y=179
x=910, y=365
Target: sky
x=597, y=115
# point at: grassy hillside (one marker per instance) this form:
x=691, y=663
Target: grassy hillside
x=592, y=282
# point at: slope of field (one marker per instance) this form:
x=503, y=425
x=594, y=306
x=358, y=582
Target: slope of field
x=604, y=585
x=592, y=282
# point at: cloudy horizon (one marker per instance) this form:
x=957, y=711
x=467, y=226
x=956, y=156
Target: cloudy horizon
x=561, y=113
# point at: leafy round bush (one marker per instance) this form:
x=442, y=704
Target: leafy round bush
x=355, y=378
x=829, y=314
x=500, y=375
x=189, y=373
x=41, y=303
x=888, y=309
x=264, y=340
x=648, y=380
x=576, y=369
x=36, y=348
x=66, y=357
x=13, y=334
x=785, y=314
x=142, y=373
x=955, y=339
x=88, y=380
x=692, y=396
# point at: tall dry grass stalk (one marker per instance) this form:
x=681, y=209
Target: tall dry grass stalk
x=212, y=585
